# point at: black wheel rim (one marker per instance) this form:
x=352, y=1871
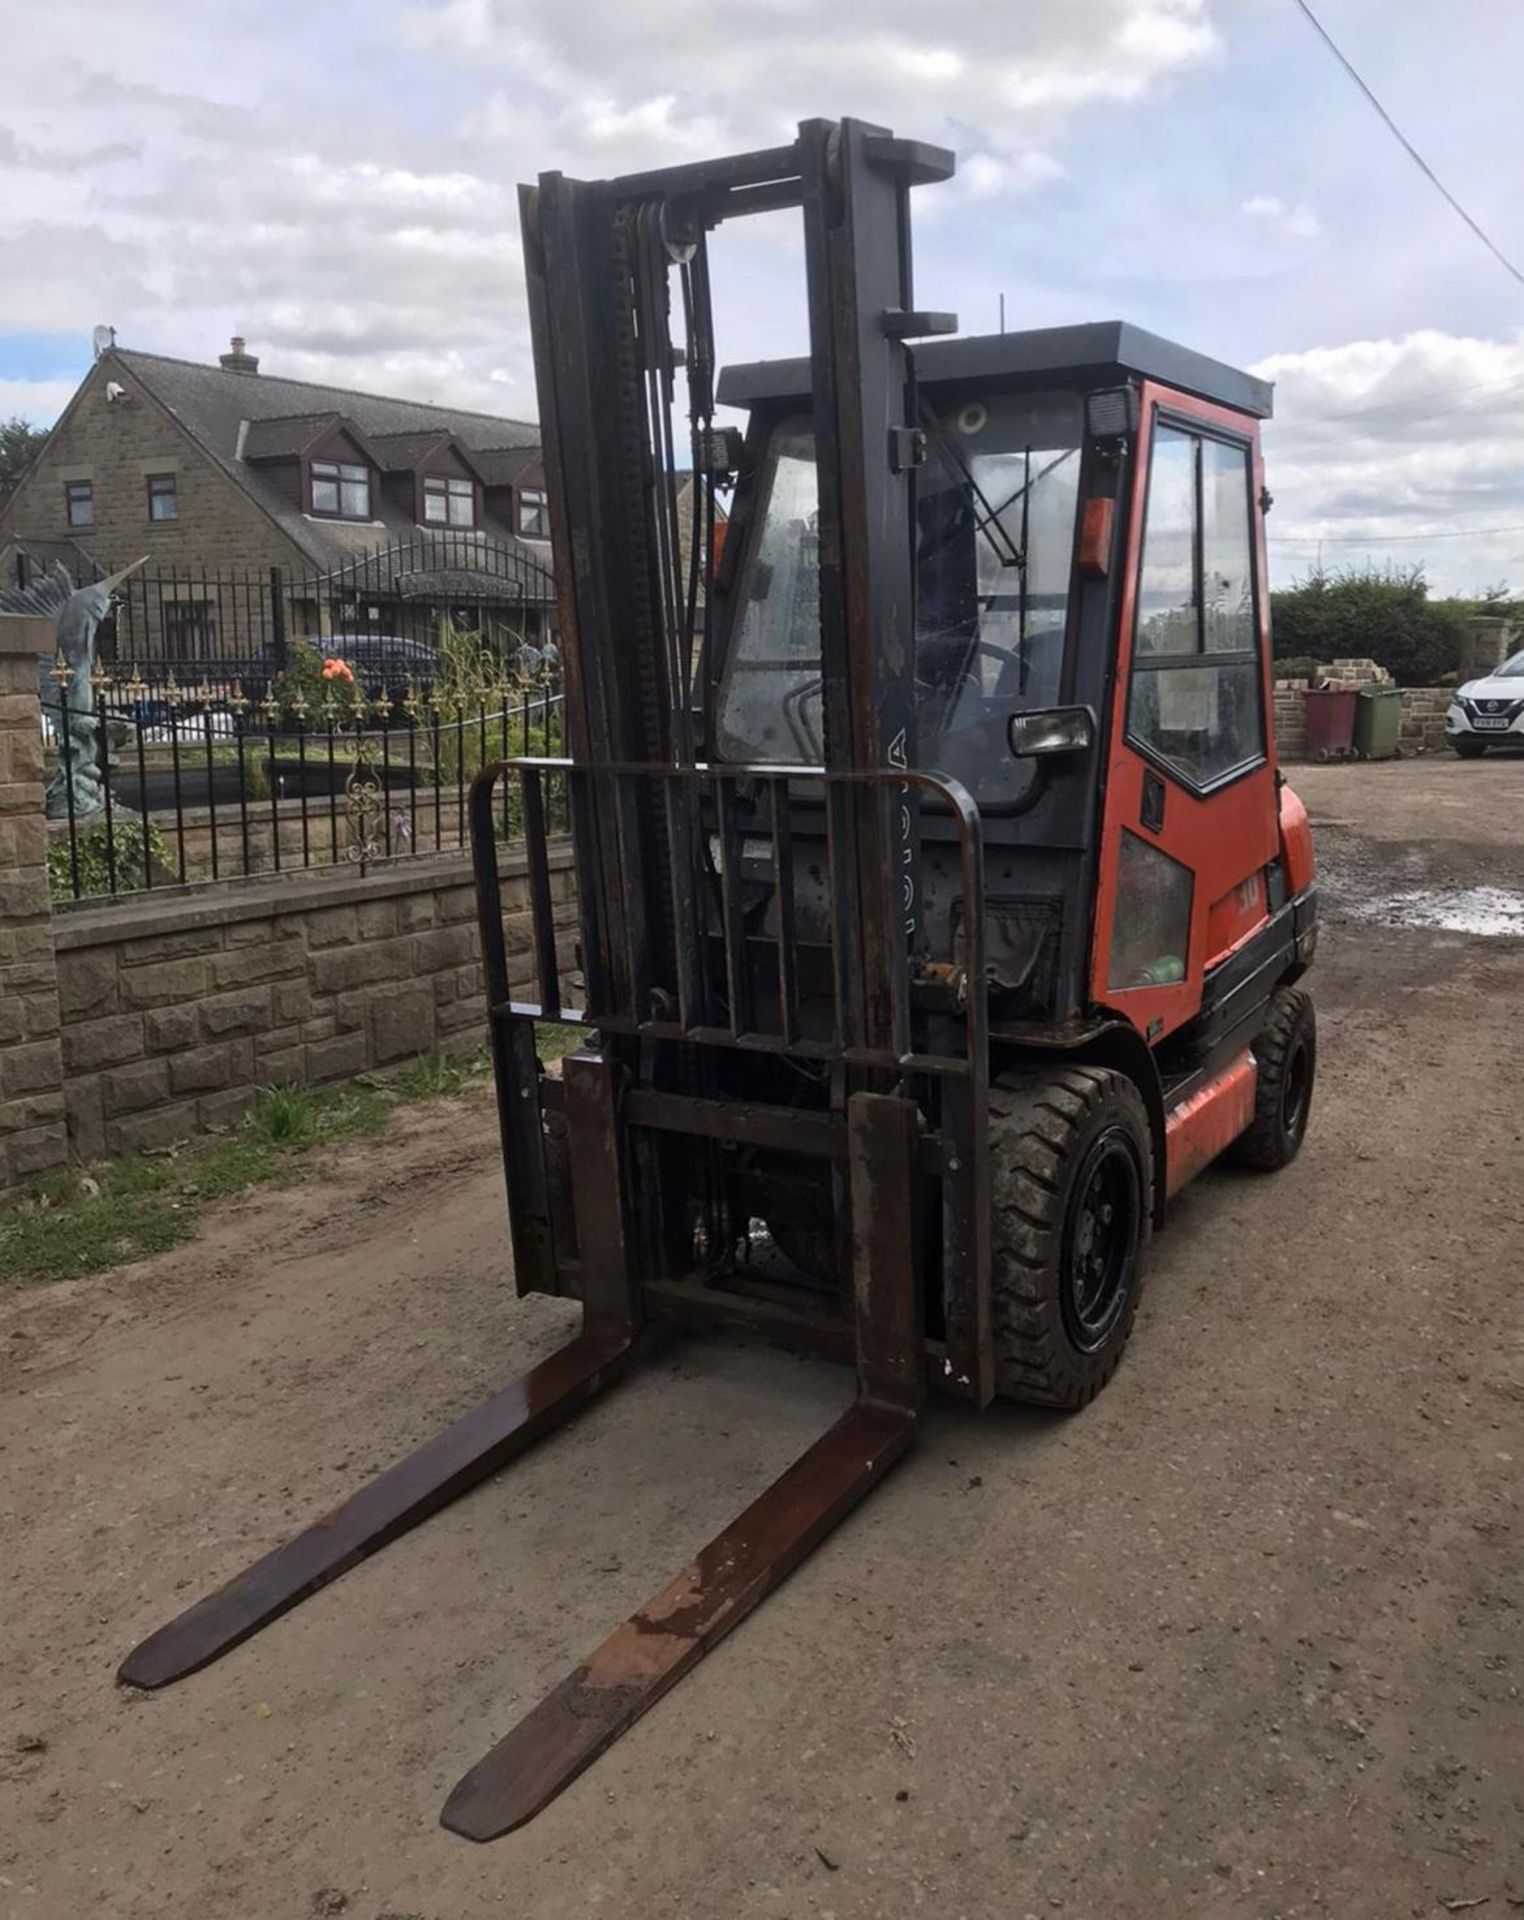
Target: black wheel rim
x=1101, y=1239
x=1296, y=1089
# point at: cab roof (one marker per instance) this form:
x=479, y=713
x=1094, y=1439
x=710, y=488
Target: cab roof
x=1104, y=352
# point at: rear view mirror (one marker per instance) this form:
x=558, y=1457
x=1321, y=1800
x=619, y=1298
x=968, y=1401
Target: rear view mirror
x=1050, y=730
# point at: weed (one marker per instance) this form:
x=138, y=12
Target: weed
x=284, y=1117
x=124, y=858
x=73, y=1222
x=438, y=1073
x=552, y=1040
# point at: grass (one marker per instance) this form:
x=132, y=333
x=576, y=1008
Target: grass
x=78, y=1221
x=75, y=1222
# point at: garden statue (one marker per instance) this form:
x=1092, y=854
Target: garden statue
x=64, y=681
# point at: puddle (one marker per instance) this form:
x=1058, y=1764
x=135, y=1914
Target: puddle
x=1484, y=910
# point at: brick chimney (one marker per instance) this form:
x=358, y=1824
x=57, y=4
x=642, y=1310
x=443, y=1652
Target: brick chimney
x=238, y=361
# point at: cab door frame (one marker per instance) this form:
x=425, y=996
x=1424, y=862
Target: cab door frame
x=1225, y=834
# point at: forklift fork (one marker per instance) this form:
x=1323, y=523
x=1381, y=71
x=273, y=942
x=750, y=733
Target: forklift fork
x=651, y=1651
x=455, y=1460
x=599, y=1700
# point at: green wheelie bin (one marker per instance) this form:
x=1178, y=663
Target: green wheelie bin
x=1378, y=723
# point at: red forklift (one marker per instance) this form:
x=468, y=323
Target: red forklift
x=941, y=908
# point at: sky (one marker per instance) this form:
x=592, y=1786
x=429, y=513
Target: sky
x=336, y=182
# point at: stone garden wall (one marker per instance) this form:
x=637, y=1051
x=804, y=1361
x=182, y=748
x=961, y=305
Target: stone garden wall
x=31, y=1072
x=177, y=1008
x=1423, y=709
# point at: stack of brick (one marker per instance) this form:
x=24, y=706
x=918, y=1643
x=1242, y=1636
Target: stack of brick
x=1355, y=674
x=31, y=1069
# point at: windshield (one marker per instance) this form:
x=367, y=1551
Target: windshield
x=995, y=516
x=1512, y=669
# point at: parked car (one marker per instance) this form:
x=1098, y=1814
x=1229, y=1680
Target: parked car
x=1488, y=712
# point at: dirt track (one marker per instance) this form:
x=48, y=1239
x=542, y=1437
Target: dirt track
x=1243, y=1638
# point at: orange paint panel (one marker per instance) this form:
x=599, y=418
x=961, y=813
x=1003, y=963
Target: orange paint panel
x=1198, y=1129
x=1235, y=916
x=1296, y=843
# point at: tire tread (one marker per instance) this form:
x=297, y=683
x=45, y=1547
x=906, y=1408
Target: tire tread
x=1037, y=1122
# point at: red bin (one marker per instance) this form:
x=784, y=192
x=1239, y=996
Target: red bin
x=1330, y=719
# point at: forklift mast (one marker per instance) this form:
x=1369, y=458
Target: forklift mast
x=635, y=614
x=668, y=836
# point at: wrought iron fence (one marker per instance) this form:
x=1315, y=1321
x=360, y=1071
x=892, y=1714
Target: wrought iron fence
x=236, y=739
x=206, y=784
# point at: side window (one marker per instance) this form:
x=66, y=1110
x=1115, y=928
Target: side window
x=1196, y=700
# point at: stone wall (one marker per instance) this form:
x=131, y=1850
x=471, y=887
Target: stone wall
x=1489, y=641
x=1423, y=709
x=177, y=1008
x=1423, y=719
x=1290, y=719
x=31, y=1095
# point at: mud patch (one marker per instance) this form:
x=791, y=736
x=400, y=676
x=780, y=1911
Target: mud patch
x=1488, y=911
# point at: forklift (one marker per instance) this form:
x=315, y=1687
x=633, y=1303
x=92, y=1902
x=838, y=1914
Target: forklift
x=940, y=906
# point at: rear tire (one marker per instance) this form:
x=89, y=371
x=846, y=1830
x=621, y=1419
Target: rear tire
x=1467, y=746
x=1071, y=1186
x=1287, y=1056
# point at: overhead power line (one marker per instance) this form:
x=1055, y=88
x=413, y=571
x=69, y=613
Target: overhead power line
x=1508, y=385
x=1386, y=539
x=1412, y=152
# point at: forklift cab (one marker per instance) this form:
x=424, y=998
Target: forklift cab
x=1091, y=649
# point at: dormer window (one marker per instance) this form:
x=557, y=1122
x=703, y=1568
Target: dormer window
x=448, y=502
x=534, y=513
x=340, y=491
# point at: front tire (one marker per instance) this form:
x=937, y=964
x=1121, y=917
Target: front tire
x=1071, y=1178
x=1467, y=746
x=1286, y=1054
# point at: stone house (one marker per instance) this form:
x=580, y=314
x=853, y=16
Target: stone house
x=215, y=470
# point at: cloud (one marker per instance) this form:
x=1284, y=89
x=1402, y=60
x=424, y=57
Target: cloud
x=1400, y=450
x=34, y=400
x=64, y=160
x=351, y=208
x=1296, y=223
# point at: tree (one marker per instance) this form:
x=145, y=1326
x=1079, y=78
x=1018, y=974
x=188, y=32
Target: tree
x=1384, y=615
x=20, y=443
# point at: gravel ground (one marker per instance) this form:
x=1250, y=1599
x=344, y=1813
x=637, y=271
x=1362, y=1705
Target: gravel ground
x=1244, y=1638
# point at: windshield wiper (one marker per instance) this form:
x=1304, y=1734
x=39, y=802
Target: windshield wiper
x=1013, y=554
